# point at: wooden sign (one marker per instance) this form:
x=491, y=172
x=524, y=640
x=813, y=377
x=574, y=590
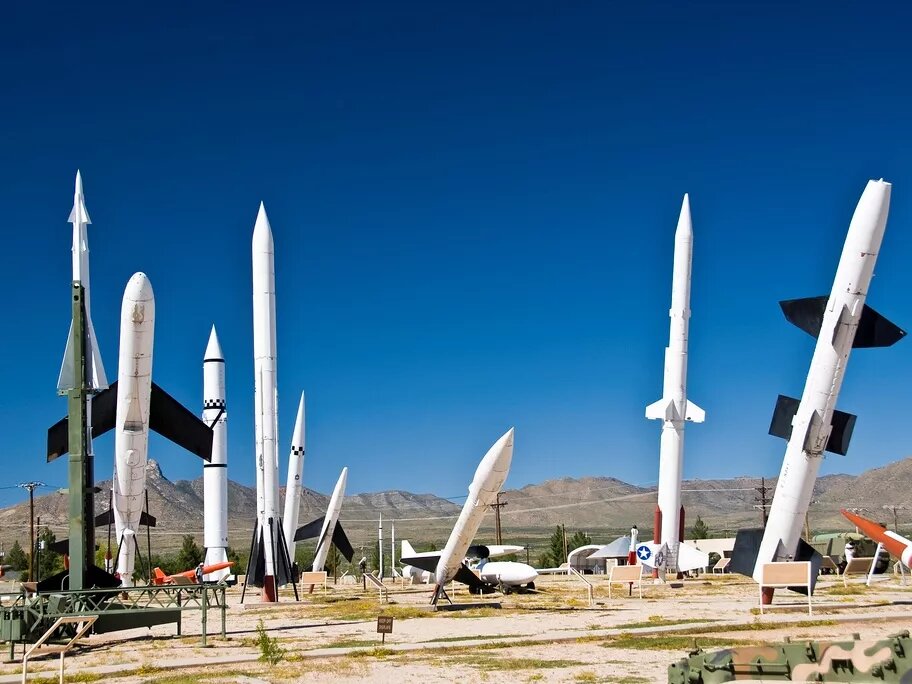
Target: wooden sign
x=384, y=626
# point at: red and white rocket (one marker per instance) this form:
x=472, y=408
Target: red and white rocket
x=897, y=545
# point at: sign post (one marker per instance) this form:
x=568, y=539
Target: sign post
x=384, y=626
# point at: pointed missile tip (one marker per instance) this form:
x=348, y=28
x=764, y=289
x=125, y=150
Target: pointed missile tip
x=213, y=348
x=78, y=182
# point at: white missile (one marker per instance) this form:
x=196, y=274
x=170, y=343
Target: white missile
x=293, y=487
x=812, y=425
x=673, y=409
x=270, y=552
x=488, y=481
x=330, y=523
x=131, y=437
x=95, y=373
x=215, y=473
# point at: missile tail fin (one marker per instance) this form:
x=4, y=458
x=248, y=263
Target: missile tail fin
x=169, y=418
x=694, y=413
x=873, y=329
x=340, y=540
x=310, y=530
x=745, y=551
x=842, y=425
x=662, y=409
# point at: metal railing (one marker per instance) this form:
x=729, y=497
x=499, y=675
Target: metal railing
x=573, y=572
x=384, y=592
x=84, y=623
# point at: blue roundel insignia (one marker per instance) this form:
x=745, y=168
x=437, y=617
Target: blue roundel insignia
x=644, y=552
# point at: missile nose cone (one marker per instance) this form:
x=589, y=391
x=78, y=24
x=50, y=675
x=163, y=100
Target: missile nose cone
x=139, y=288
x=297, y=439
x=499, y=456
x=343, y=477
x=262, y=231
x=213, y=349
x=685, y=226
x=78, y=191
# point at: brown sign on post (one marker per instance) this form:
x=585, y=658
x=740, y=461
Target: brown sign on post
x=384, y=626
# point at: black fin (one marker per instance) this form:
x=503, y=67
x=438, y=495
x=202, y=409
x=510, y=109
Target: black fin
x=806, y=552
x=428, y=563
x=147, y=520
x=104, y=411
x=341, y=541
x=256, y=566
x=876, y=331
x=842, y=425
x=95, y=578
x=310, y=530
x=745, y=551
x=476, y=585
x=169, y=418
x=106, y=518
x=873, y=329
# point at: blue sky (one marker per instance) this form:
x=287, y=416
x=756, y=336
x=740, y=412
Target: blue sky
x=473, y=209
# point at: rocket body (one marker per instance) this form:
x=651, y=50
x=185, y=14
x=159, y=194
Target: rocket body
x=293, y=487
x=131, y=438
x=215, y=473
x=489, y=479
x=329, y=522
x=266, y=404
x=812, y=424
x=895, y=544
x=673, y=409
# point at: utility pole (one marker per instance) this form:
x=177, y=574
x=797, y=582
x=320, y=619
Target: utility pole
x=497, y=505
x=762, y=490
x=564, y=534
x=30, y=488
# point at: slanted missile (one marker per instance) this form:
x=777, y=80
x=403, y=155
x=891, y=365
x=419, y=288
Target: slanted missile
x=293, y=487
x=332, y=532
x=673, y=409
x=215, y=473
x=897, y=545
x=95, y=373
x=270, y=566
x=489, y=479
x=813, y=425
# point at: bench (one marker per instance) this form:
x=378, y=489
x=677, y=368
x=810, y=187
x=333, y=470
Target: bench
x=828, y=564
x=626, y=574
x=721, y=565
x=314, y=579
x=857, y=566
x=786, y=575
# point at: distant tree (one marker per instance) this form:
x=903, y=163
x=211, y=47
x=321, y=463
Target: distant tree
x=699, y=529
x=577, y=540
x=554, y=552
x=304, y=556
x=334, y=561
x=190, y=554
x=239, y=566
x=49, y=562
x=17, y=557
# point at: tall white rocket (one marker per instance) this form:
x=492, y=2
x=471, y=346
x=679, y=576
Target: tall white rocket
x=215, y=473
x=293, y=486
x=95, y=373
x=266, y=408
x=812, y=425
x=673, y=409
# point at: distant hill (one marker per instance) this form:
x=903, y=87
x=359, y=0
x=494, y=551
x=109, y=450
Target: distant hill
x=598, y=505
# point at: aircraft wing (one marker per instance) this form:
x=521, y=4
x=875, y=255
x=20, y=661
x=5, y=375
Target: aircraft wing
x=496, y=550
x=652, y=555
x=690, y=558
x=619, y=548
x=169, y=418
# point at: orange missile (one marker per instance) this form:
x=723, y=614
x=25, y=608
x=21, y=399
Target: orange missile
x=188, y=576
x=896, y=544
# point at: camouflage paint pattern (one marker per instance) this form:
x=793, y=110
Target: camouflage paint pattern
x=884, y=660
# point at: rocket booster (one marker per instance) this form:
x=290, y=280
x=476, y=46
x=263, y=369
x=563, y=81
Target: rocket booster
x=897, y=545
x=673, y=409
x=488, y=481
x=293, y=487
x=839, y=322
x=215, y=473
x=95, y=373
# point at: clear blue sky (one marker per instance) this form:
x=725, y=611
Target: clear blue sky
x=473, y=210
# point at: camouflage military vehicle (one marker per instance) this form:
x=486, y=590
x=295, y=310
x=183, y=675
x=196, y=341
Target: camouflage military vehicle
x=885, y=660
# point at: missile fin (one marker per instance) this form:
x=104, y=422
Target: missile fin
x=310, y=530
x=806, y=552
x=663, y=409
x=841, y=425
x=104, y=411
x=256, y=566
x=876, y=331
x=806, y=313
x=340, y=539
x=745, y=551
x=428, y=563
x=169, y=418
x=106, y=518
x=694, y=413
x=147, y=520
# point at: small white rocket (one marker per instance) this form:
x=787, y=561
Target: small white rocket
x=95, y=373
x=270, y=564
x=488, y=480
x=215, y=473
x=293, y=486
x=327, y=529
x=813, y=425
x=673, y=409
